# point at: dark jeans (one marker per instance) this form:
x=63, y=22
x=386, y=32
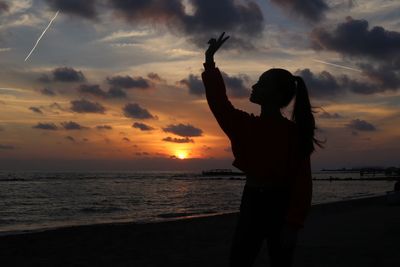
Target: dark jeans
x=262, y=216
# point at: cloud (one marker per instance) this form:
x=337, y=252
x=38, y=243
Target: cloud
x=312, y=10
x=242, y=19
x=71, y=125
x=327, y=115
x=235, y=85
x=47, y=91
x=3, y=7
x=354, y=38
x=66, y=74
x=178, y=140
x=85, y=106
x=209, y=17
x=383, y=75
x=92, y=89
x=324, y=84
x=104, y=127
x=194, y=84
x=155, y=77
x=70, y=138
x=183, y=130
x=320, y=85
x=95, y=90
x=85, y=9
x=142, y=126
x=46, y=126
x=36, y=110
x=6, y=147
x=115, y=92
x=128, y=82
x=360, y=125
x=133, y=110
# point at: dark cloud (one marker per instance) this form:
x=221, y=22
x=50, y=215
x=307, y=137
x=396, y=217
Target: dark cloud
x=383, y=75
x=324, y=84
x=127, y=82
x=3, y=7
x=354, y=38
x=361, y=125
x=321, y=85
x=155, y=77
x=95, y=90
x=194, y=84
x=66, y=74
x=47, y=91
x=178, y=140
x=327, y=115
x=359, y=87
x=92, y=89
x=133, y=110
x=115, y=92
x=36, y=110
x=85, y=106
x=126, y=139
x=142, y=126
x=183, y=130
x=210, y=17
x=312, y=10
x=86, y=8
x=6, y=147
x=236, y=85
x=104, y=127
x=71, y=125
x=46, y=126
x=70, y=138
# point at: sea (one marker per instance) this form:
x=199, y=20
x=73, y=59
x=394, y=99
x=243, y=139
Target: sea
x=34, y=201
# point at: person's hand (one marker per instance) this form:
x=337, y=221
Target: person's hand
x=288, y=236
x=214, y=46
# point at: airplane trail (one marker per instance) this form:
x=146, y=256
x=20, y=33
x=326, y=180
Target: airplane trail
x=336, y=65
x=40, y=37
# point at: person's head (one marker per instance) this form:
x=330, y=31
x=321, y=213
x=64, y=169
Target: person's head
x=276, y=88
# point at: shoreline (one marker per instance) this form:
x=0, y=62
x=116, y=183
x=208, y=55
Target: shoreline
x=155, y=221
x=359, y=232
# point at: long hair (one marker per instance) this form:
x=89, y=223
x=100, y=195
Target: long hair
x=303, y=117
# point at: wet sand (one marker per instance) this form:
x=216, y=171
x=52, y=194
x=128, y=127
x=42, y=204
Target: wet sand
x=364, y=232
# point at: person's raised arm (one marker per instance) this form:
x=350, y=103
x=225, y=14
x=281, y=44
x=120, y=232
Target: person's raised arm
x=226, y=115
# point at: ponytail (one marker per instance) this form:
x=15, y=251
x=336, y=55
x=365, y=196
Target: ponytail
x=303, y=116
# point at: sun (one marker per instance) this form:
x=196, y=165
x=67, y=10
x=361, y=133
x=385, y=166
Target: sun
x=181, y=154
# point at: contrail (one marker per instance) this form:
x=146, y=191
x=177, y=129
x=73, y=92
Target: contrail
x=40, y=37
x=336, y=65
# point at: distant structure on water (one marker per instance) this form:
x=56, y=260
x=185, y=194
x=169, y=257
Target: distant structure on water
x=220, y=172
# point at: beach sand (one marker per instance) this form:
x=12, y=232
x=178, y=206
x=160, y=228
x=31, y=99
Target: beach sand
x=363, y=232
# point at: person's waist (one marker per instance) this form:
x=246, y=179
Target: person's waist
x=267, y=181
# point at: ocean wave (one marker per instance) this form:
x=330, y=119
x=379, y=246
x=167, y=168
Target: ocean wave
x=102, y=209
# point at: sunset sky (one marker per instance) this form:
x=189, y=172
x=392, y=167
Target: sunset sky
x=117, y=82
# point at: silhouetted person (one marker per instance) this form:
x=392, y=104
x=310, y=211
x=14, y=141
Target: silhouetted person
x=397, y=186
x=274, y=153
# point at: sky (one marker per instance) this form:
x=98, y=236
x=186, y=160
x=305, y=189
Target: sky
x=116, y=84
